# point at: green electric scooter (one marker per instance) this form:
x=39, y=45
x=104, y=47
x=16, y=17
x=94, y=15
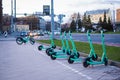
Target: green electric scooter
x=47, y=48
x=74, y=57
x=92, y=53
x=104, y=60
x=63, y=53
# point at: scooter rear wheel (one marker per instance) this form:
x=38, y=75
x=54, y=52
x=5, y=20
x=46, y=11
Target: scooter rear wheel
x=105, y=61
x=94, y=57
x=85, y=63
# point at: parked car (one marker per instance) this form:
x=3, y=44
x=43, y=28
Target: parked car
x=24, y=33
x=56, y=32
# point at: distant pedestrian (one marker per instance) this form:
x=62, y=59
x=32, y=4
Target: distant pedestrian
x=5, y=34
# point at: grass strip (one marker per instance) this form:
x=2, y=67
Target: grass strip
x=113, y=53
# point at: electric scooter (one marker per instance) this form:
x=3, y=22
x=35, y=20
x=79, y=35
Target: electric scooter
x=74, y=57
x=25, y=39
x=104, y=60
x=92, y=53
x=63, y=53
x=47, y=48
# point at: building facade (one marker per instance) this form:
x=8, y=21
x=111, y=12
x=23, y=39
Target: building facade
x=118, y=15
x=96, y=14
x=42, y=24
x=21, y=27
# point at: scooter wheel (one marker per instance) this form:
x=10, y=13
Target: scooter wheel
x=105, y=61
x=32, y=41
x=78, y=55
x=63, y=50
x=85, y=63
x=70, y=61
x=40, y=47
x=19, y=41
x=94, y=57
x=49, y=51
x=53, y=56
x=54, y=46
x=68, y=52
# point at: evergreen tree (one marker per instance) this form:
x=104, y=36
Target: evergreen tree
x=73, y=25
x=100, y=24
x=84, y=21
x=79, y=22
x=104, y=26
x=109, y=25
x=89, y=24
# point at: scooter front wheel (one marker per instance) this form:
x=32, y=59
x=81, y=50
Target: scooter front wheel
x=70, y=61
x=78, y=54
x=32, y=41
x=49, y=51
x=40, y=47
x=53, y=56
x=85, y=63
x=54, y=46
x=69, y=52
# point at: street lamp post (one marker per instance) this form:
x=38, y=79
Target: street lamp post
x=113, y=17
x=13, y=15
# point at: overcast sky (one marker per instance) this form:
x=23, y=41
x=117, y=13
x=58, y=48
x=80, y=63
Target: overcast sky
x=66, y=7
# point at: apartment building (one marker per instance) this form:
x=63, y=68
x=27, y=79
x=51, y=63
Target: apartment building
x=96, y=14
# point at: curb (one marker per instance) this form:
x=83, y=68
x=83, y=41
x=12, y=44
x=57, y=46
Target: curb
x=114, y=63
x=110, y=62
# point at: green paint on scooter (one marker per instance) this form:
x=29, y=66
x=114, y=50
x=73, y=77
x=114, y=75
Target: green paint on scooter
x=104, y=60
x=25, y=39
x=47, y=48
x=74, y=57
x=64, y=50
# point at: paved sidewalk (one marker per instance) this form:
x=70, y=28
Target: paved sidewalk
x=25, y=62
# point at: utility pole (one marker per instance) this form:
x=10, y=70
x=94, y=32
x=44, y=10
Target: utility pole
x=52, y=18
x=13, y=15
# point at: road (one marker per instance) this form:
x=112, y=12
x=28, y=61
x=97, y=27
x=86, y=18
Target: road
x=25, y=62
x=110, y=39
